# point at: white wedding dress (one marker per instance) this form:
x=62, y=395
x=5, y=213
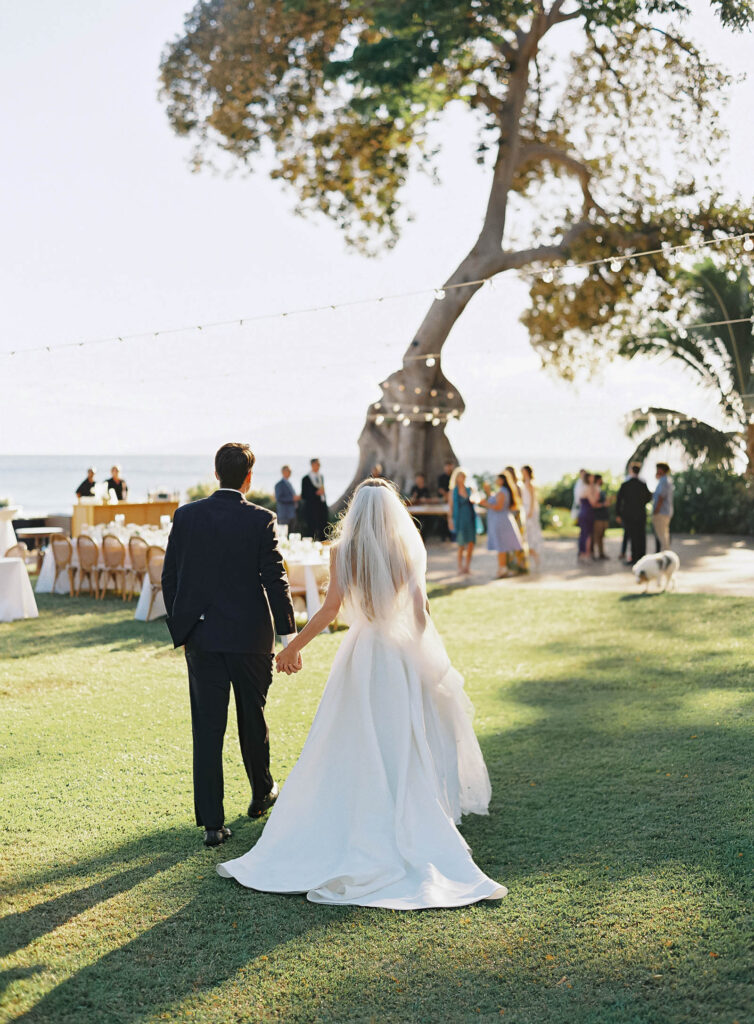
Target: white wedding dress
x=368, y=814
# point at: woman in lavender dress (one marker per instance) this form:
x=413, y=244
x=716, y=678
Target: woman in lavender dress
x=503, y=534
x=590, y=499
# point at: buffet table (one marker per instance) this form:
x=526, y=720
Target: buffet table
x=144, y=513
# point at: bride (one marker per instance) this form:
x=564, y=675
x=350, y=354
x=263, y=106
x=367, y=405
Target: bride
x=368, y=814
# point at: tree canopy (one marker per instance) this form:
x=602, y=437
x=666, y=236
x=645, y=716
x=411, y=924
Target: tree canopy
x=598, y=121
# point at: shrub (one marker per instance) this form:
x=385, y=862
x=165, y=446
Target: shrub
x=207, y=487
x=710, y=500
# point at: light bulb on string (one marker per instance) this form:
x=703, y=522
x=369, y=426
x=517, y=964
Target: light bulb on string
x=428, y=417
x=401, y=387
x=431, y=361
x=615, y=266
x=436, y=412
x=439, y=294
x=379, y=420
x=407, y=421
x=396, y=408
x=417, y=391
x=435, y=422
x=748, y=243
x=416, y=408
x=548, y=276
x=433, y=393
x=378, y=405
x=451, y=394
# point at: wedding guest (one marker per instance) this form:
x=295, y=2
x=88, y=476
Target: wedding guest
x=578, y=491
x=117, y=483
x=601, y=516
x=420, y=491
x=461, y=509
x=86, y=488
x=531, y=512
x=631, y=511
x=443, y=481
x=314, y=502
x=286, y=498
x=662, y=506
x=503, y=534
x=522, y=562
x=587, y=503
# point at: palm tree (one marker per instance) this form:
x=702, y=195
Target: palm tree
x=720, y=355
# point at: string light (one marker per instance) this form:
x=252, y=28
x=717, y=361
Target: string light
x=431, y=361
x=546, y=275
x=615, y=266
x=379, y=420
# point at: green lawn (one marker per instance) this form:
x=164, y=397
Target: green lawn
x=619, y=737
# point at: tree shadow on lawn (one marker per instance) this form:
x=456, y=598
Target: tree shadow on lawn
x=114, y=630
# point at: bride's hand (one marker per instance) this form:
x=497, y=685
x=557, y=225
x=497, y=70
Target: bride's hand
x=289, y=661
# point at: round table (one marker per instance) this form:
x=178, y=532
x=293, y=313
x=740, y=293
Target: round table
x=16, y=596
x=7, y=537
x=38, y=533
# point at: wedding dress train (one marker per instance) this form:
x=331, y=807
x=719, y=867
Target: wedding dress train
x=368, y=814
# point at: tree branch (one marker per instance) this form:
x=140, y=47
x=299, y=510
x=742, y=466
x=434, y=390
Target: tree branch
x=535, y=152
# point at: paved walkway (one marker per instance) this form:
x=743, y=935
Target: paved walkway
x=709, y=565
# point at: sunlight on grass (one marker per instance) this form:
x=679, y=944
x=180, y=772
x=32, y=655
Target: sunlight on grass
x=618, y=737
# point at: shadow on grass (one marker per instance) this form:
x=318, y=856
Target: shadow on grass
x=109, y=624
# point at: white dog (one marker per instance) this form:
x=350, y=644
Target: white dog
x=661, y=567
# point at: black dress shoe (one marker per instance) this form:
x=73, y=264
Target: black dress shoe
x=258, y=807
x=216, y=836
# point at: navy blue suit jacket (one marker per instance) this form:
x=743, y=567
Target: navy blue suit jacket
x=223, y=562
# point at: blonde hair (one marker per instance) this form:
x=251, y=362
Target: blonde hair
x=454, y=477
x=377, y=548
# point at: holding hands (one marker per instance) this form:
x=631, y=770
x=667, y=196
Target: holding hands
x=289, y=661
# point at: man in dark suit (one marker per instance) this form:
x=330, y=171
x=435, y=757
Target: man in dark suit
x=224, y=583
x=631, y=510
x=315, y=503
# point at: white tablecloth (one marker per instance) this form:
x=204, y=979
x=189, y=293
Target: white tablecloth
x=7, y=536
x=16, y=596
x=158, y=609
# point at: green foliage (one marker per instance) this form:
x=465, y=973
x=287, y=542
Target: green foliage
x=262, y=498
x=720, y=356
x=703, y=444
x=201, y=490
x=711, y=500
x=204, y=489
x=618, y=735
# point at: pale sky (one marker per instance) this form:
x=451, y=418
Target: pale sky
x=106, y=232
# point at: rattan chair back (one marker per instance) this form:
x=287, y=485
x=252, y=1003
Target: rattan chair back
x=113, y=552
x=155, y=558
x=88, y=553
x=137, y=548
x=62, y=552
x=18, y=550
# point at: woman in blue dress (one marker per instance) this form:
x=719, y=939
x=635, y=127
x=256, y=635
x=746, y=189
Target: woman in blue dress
x=462, y=512
x=503, y=534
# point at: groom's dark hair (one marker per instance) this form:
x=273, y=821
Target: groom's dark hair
x=233, y=463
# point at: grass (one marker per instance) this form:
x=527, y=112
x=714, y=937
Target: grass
x=618, y=733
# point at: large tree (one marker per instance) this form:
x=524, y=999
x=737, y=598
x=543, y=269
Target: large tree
x=597, y=120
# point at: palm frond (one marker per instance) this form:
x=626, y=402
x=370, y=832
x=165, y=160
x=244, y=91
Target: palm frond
x=703, y=443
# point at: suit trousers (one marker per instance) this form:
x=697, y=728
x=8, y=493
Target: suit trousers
x=636, y=530
x=211, y=674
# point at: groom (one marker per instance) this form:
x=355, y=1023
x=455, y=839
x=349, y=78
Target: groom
x=224, y=583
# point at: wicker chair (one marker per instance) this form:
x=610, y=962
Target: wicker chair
x=19, y=550
x=62, y=553
x=88, y=565
x=155, y=558
x=137, y=549
x=114, y=568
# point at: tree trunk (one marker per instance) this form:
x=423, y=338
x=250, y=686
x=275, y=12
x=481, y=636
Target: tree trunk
x=405, y=429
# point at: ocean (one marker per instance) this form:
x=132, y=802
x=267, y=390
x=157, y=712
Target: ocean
x=46, y=484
